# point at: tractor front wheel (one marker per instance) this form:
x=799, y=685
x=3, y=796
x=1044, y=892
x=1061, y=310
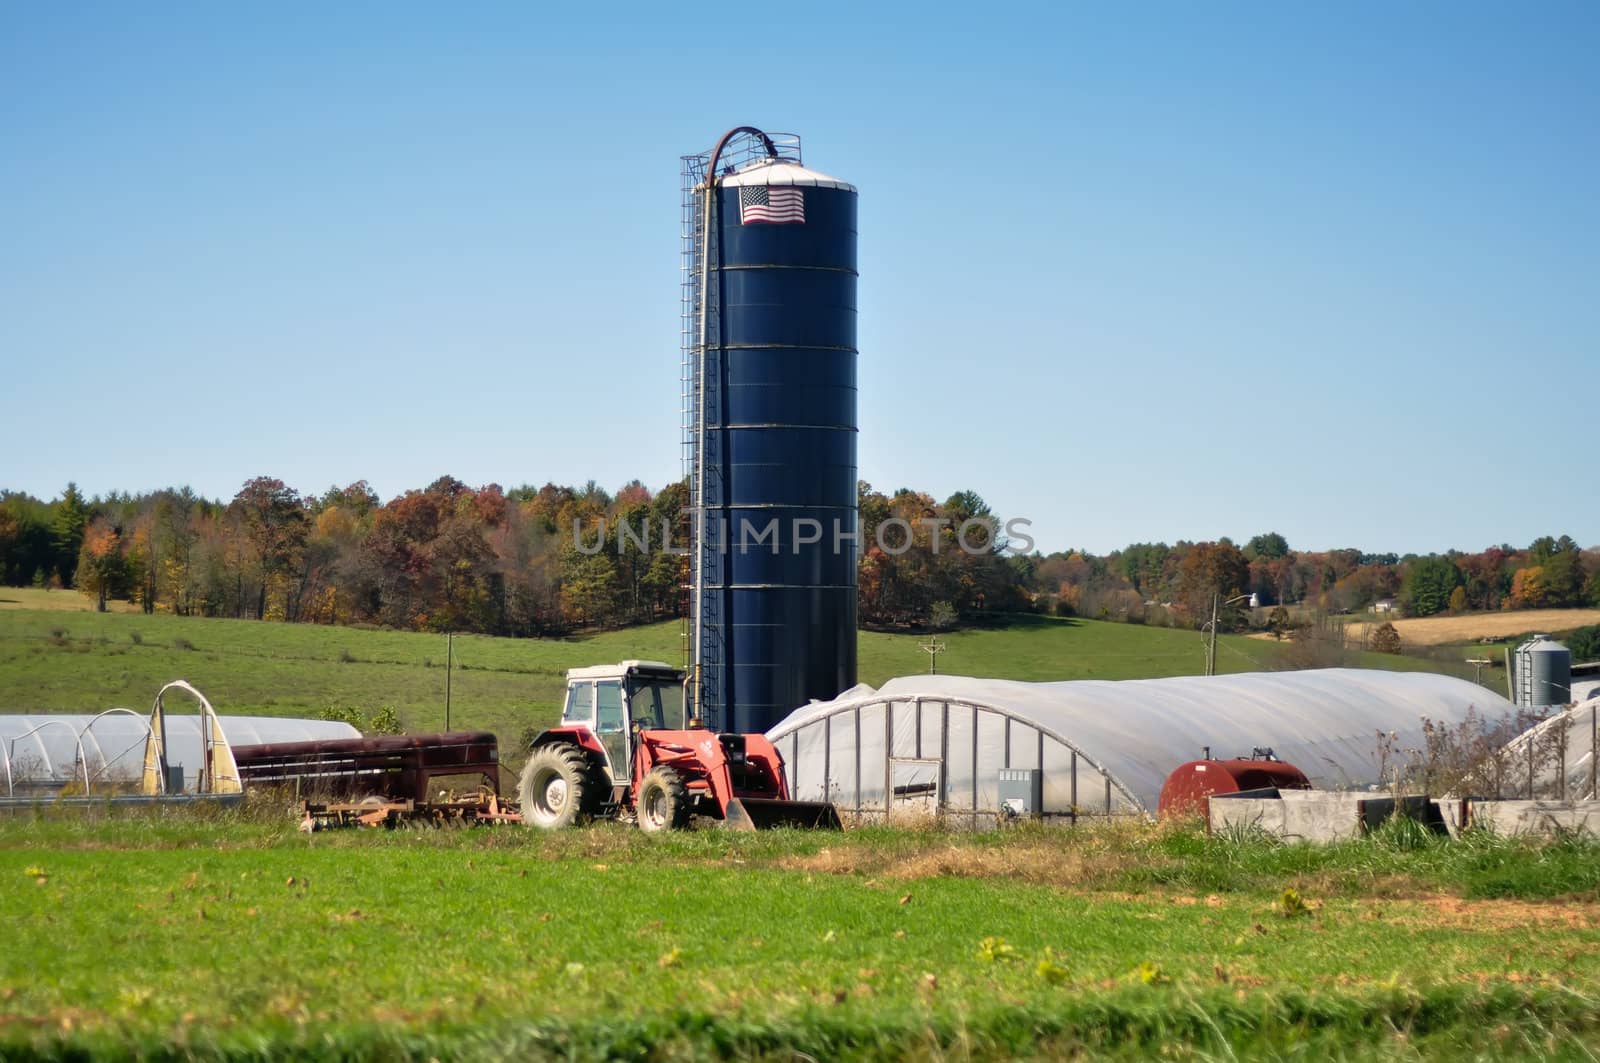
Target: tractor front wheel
x=554, y=787
x=663, y=801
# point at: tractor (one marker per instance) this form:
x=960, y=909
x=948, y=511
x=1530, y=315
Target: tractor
x=625, y=750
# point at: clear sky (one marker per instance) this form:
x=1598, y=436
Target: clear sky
x=1133, y=272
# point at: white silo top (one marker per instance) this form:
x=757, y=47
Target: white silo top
x=779, y=172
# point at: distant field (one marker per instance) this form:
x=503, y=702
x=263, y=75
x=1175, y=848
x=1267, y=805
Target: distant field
x=53, y=661
x=56, y=601
x=1473, y=627
x=165, y=937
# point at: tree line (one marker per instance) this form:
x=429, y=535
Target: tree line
x=1161, y=584
x=447, y=557
x=536, y=561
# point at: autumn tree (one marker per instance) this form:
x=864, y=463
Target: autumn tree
x=274, y=523
x=1278, y=622
x=1213, y=573
x=101, y=571
x=1486, y=577
x=1385, y=639
x=1528, y=590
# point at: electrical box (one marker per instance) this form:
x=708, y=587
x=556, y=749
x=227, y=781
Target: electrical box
x=1021, y=792
x=174, y=778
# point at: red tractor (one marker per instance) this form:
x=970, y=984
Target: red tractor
x=624, y=750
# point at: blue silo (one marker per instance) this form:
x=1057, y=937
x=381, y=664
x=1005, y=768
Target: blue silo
x=770, y=430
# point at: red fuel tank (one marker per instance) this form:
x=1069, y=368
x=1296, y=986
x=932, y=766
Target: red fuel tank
x=1187, y=787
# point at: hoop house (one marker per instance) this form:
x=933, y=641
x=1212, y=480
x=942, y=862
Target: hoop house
x=1557, y=759
x=957, y=744
x=114, y=751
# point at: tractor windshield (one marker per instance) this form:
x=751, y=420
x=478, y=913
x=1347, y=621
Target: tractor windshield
x=657, y=704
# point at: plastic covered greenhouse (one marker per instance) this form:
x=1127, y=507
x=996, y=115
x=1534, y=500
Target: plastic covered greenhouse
x=951, y=744
x=1555, y=760
x=112, y=752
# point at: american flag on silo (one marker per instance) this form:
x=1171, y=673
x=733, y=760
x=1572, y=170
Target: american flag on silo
x=781, y=205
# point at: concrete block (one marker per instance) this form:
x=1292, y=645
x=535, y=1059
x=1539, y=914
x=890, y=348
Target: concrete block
x=1294, y=815
x=1537, y=817
x=1316, y=815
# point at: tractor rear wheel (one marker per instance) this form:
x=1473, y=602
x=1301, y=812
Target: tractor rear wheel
x=554, y=789
x=663, y=801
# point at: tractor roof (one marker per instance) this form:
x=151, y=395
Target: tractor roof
x=657, y=669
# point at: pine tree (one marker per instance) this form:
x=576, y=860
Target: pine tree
x=66, y=529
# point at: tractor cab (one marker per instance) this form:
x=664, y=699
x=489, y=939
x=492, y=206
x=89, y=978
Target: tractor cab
x=610, y=699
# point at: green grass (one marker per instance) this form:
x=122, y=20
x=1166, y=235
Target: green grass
x=232, y=935
x=52, y=661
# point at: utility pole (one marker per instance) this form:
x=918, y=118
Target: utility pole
x=449, y=665
x=1211, y=646
x=933, y=648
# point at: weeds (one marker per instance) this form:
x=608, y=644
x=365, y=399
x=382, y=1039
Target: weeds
x=1048, y=970
x=1401, y=833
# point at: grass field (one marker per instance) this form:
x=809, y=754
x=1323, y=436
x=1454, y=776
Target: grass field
x=60, y=661
x=230, y=935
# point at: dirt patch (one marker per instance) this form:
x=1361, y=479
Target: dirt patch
x=1042, y=864
x=1458, y=914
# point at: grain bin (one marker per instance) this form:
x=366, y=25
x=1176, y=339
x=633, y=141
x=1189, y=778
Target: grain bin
x=1542, y=674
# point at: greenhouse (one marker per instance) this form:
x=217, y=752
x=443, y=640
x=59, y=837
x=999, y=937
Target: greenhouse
x=958, y=744
x=1557, y=759
x=110, y=752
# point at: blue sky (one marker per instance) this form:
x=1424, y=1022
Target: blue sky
x=1132, y=272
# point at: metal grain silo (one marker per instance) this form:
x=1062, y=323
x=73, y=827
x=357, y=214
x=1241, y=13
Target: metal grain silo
x=769, y=341
x=1543, y=673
